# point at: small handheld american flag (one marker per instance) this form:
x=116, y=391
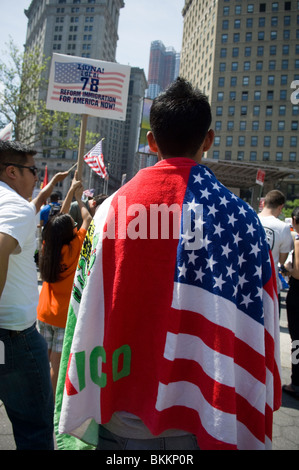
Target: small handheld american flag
x=95, y=159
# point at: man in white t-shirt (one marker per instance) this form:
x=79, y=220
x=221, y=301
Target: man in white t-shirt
x=278, y=232
x=25, y=385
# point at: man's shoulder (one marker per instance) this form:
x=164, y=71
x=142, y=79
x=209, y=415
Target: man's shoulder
x=45, y=208
x=9, y=199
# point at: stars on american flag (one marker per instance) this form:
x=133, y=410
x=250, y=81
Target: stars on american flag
x=232, y=247
x=67, y=73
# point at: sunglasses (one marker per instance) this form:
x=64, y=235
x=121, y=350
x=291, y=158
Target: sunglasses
x=33, y=169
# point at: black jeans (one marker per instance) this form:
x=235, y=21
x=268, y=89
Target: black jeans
x=110, y=441
x=292, y=302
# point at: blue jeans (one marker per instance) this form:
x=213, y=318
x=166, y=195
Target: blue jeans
x=25, y=388
x=109, y=441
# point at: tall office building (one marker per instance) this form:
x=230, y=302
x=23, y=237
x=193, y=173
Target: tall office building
x=85, y=28
x=163, y=68
x=245, y=56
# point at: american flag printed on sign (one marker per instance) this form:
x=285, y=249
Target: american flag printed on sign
x=95, y=160
x=185, y=329
x=67, y=73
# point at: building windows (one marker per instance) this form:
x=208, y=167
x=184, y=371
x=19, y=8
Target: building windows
x=262, y=7
x=229, y=141
x=241, y=141
x=281, y=126
x=257, y=95
x=267, y=141
x=270, y=95
x=279, y=156
x=256, y=110
x=272, y=50
x=262, y=21
x=261, y=35
x=282, y=110
x=292, y=157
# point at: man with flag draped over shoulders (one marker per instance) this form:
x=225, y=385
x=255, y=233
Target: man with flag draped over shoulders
x=173, y=339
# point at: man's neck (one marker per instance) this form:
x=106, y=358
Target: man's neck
x=266, y=212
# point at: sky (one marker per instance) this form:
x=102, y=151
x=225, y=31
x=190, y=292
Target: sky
x=140, y=23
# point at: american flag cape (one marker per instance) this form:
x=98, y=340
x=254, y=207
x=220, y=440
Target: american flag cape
x=95, y=159
x=182, y=332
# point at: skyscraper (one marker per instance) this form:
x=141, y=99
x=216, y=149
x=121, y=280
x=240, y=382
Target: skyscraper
x=163, y=67
x=245, y=57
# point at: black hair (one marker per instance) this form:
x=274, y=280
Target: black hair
x=295, y=214
x=14, y=152
x=274, y=199
x=99, y=199
x=180, y=118
x=58, y=231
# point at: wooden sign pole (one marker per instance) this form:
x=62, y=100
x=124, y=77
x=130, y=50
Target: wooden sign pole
x=81, y=151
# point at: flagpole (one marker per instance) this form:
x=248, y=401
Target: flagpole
x=82, y=145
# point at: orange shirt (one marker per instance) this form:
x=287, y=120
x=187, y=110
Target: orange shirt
x=55, y=297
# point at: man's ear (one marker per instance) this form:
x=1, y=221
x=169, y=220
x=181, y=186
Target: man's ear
x=151, y=142
x=209, y=139
x=10, y=172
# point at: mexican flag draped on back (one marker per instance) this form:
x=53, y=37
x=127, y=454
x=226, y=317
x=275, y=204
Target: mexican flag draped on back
x=161, y=327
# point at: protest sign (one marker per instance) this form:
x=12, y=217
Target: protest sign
x=86, y=86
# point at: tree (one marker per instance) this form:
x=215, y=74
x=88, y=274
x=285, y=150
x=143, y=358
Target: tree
x=22, y=78
x=289, y=207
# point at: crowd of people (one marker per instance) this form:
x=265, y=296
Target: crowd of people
x=184, y=386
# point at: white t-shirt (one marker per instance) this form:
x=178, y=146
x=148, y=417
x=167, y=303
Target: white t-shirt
x=279, y=238
x=20, y=294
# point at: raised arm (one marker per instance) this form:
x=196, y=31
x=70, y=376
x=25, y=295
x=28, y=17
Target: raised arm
x=65, y=208
x=86, y=216
x=46, y=192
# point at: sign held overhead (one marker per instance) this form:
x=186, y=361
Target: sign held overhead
x=86, y=86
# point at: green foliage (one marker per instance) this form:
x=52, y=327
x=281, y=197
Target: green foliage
x=22, y=79
x=289, y=207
